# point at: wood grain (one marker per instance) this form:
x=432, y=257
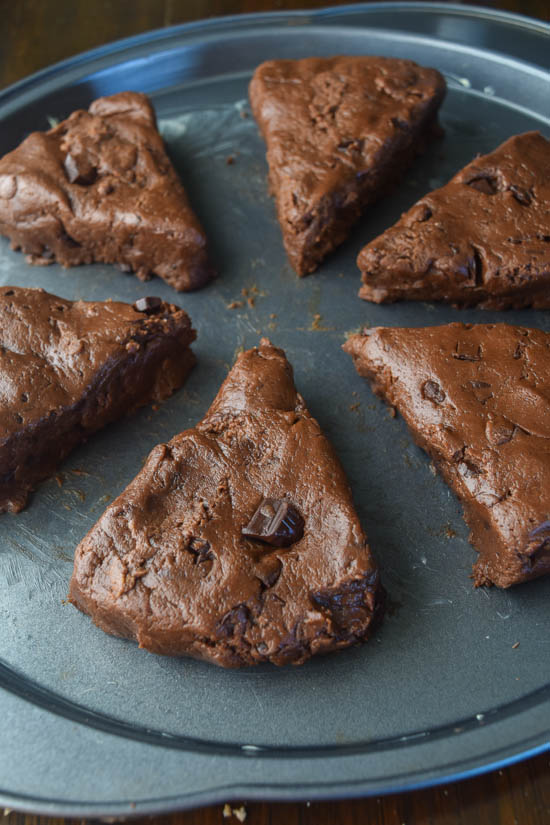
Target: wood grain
x=515, y=796
x=37, y=33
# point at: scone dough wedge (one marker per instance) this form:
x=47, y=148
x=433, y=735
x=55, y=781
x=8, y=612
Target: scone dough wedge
x=339, y=132
x=173, y=562
x=476, y=397
x=484, y=238
x=100, y=187
x=69, y=368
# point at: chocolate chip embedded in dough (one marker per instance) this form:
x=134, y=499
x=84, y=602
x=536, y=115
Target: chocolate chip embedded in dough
x=488, y=184
x=275, y=522
x=521, y=195
x=538, y=542
x=432, y=391
x=499, y=431
x=79, y=170
x=150, y=305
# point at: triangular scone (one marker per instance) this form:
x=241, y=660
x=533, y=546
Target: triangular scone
x=186, y=562
x=69, y=368
x=484, y=238
x=476, y=398
x=100, y=187
x=339, y=132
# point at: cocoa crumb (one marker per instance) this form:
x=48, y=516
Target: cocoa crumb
x=317, y=325
x=230, y=160
x=235, y=305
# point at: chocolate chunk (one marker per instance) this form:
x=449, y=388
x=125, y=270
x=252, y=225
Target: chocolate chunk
x=149, y=305
x=468, y=469
x=79, y=170
x=486, y=184
x=538, y=544
x=432, y=391
x=542, y=528
x=345, y=605
x=499, y=431
x=481, y=390
x=275, y=522
x=521, y=195
x=201, y=549
x=465, y=352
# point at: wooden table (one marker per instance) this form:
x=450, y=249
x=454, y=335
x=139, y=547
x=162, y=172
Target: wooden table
x=36, y=33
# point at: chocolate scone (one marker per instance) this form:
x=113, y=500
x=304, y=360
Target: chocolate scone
x=238, y=542
x=100, y=187
x=68, y=368
x=339, y=132
x=484, y=238
x=476, y=397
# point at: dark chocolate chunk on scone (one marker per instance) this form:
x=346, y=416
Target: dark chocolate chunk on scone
x=100, y=187
x=68, y=368
x=476, y=398
x=339, y=133
x=238, y=542
x=484, y=238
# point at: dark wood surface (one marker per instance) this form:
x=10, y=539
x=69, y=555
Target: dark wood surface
x=36, y=33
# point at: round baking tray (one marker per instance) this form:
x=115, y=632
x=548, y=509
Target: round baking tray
x=92, y=726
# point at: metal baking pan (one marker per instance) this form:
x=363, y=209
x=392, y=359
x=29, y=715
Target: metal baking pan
x=92, y=726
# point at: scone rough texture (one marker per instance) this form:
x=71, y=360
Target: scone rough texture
x=475, y=397
x=484, y=238
x=168, y=564
x=339, y=133
x=69, y=368
x=99, y=186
